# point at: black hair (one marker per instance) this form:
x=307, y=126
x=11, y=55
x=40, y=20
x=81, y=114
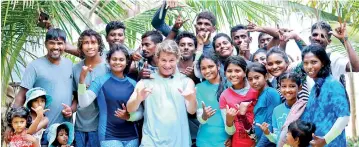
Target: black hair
x=209, y=55
x=257, y=52
x=114, y=25
x=303, y=131
x=239, y=27
x=186, y=34
x=322, y=55
x=207, y=15
x=236, y=60
x=325, y=71
x=214, y=57
x=260, y=35
x=118, y=47
x=155, y=36
x=21, y=112
x=219, y=35
x=90, y=33
x=59, y=128
x=277, y=50
x=322, y=25
x=55, y=34
x=256, y=67
x=291, y=76
x=29, y=104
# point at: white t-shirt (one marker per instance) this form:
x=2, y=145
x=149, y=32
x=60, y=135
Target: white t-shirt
x=338, y=64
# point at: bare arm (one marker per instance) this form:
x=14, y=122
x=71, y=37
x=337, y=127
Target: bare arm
x=353, y=57
x=252, y=27
x=42, y=124
x=175, y=29
x=272, y=43
x=229, y=126
x=172, y=35
x=70, y=49
x=341, y=33
x=135, y=100
x=191, y=101
x=20, y=97
x=33, y=127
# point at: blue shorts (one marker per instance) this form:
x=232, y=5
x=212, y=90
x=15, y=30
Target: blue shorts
x=86, y=139
x=44, y=139
x=119, y=143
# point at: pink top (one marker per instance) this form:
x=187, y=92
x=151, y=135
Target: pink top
x=18, y=141
x=241, y=122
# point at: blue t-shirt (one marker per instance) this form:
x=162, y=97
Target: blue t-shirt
x=279, y=116
x=267, y=101
x=56, y=80
x=325, y=109
x=87, y=118
x=212, y=133
x=111, y=93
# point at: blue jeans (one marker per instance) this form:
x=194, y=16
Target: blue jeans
x=119, y=143
x=86, y=139
x=44, y=139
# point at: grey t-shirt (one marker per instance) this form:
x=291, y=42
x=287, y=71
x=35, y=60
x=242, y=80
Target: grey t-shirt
x=55, y=79
x=87, y=118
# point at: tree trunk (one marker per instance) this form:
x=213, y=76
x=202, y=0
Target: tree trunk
x=11, y=91
x=352, y=104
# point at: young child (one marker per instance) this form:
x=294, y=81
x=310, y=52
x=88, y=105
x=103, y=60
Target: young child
x=61, y=134
x=37, y=101
x=290, y=85
x=300, y=133
x=237, y=103
x=19, y=120
x=268, y=99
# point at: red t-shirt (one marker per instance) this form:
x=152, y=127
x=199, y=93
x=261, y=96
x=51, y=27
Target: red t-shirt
x=18, y=141
x=231, y=98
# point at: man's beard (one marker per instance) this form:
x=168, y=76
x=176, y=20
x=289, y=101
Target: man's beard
x=188, y=58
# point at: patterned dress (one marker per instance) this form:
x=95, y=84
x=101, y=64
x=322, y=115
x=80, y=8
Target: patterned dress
x=325, y=109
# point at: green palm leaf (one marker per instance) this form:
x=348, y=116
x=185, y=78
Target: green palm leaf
x=20, y=17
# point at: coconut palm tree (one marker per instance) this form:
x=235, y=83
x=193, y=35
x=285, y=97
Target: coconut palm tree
x=21, y=36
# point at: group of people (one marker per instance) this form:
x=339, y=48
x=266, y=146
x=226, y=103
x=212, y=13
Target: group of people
x=185, y=89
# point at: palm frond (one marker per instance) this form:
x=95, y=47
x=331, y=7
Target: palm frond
x=20, y=35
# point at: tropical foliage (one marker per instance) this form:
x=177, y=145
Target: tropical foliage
x=21, y=37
